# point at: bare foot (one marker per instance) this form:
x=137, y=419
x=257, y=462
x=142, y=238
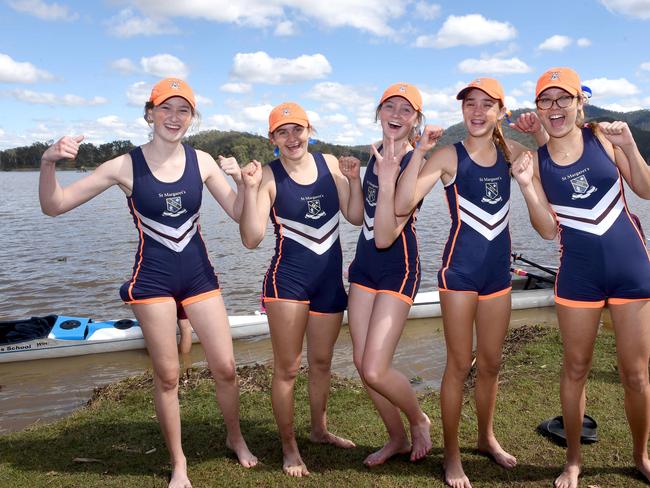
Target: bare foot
x=643, y=465
x=239, y=447
x=493, y=449
x=390, y=449
x=454, y=474
x=421, y=439
x=292, y=464
x=569, y=477
x=179, y=477
x=329, y=438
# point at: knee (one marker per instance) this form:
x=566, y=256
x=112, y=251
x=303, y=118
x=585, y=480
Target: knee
x=321, y=365
x=224, y=372
x=372, y=373
x=458, y=367
x=576, y=370
x=489, y=367
x=635, y=381
x=286, y=371
x=166, y=380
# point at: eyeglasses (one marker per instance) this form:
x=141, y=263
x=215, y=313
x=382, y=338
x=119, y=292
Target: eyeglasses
x=562, y=102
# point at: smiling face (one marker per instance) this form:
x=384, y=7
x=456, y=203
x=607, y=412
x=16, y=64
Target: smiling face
x=481, y=112
x=556, y=120
x=292, y=140
x=397, y=117
x=171, y=118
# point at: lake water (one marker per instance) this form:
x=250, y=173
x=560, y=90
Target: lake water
x=74, y=265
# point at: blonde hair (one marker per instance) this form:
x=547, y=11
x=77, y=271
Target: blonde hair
x=414, y=134
x=580, y=119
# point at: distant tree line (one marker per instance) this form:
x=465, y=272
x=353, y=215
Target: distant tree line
x=246, y=147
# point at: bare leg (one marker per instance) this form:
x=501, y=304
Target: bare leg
x=287, y=323
x=458, y=311
x=158, y=323
x=579, y=327
x=360, y=305
x=211, y=325
x=322, y=332
x=492, y=320
x=385, y=329
x=632, y=327
x=185, y=343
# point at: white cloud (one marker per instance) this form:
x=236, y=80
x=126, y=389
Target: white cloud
x=331, y=92
x=285, y=28
x=604, y=87
x=645, y=66
x=583, y=42
x=623, y=107
x=257, y=113
x=41, y=98
x=237, y=88
x=226, y=122
x=633, y=8
x=202, y=101
x=164, y=65
x=138, y=93
x=335, y=119
x=127, y=24
x=124, y=66
x=427, y=11
x=256, y=13
x=16, y=72
x=494, y=66
x=366, y=15
x=42, y=10
x=468, y=30
x=555, y=43
x=259, y=67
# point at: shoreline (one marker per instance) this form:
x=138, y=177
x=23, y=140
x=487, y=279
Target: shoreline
x=122, y=446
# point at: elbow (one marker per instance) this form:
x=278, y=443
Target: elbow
x=50, y=211
x=548, y=234
x=250, y=242
x=381, y=242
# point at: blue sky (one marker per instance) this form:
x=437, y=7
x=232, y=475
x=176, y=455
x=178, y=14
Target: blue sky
x=73, y=67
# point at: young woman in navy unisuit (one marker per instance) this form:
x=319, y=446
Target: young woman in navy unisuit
x=163, y=181
x=573, y=188
x=302, y=193
x=384, y=278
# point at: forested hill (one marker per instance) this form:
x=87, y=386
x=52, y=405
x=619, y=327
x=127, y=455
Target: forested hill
x=246, y=146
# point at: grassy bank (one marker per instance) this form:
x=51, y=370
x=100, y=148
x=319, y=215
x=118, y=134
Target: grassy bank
x=115, y=441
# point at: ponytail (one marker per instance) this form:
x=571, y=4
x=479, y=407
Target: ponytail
x=499, y=141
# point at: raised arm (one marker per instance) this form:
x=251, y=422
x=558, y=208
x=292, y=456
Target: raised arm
x=346, y=173
x=411, y=189
x=258, y=184
x=218, y=186
x=56, y=200
x=528, y=123
x=633, y=167
x=526, y=173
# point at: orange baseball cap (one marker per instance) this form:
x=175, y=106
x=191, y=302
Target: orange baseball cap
x=287, y=113
x=487, y=85
x=404, y=90
x=172, y=87
x=564, y=78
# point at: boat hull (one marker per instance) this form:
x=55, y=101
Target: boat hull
x=101, y=337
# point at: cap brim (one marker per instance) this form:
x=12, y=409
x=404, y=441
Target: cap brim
x=288, y=120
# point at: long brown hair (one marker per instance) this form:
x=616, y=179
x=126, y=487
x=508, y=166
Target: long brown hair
x=500, y=141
